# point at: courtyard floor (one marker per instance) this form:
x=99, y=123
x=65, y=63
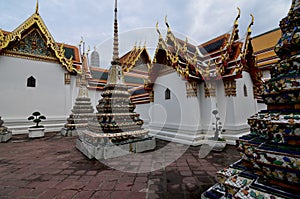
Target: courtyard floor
x=51, y=167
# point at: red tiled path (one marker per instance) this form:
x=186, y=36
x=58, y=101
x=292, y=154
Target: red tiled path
x=51, y=167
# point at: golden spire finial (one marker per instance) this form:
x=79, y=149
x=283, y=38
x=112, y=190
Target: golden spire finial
x=37, y=7
x=238, y=16
x=158, y=30
x=166, y=22
x=252, y=22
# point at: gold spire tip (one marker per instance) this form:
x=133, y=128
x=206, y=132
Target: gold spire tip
x=166, y=21
x=251, y=24
x=157, y=28
x=37, y=7
x=238, y=16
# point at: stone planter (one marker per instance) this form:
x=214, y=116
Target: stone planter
x=36, y=132
x=216, y=145
x=5, y=136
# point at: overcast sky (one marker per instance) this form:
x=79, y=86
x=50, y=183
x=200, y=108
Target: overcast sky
x=199, y=20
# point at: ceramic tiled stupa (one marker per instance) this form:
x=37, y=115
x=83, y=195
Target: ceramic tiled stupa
x=116, y=128
x=83, y=110
x=5, y=134
x=270, y=164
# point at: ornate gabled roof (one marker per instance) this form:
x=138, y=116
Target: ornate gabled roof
x=222, y=54
x=180, y=55
x=99, y=78
x=35, y=22
x=217, y=58
x=137, y=56
x=214, y=45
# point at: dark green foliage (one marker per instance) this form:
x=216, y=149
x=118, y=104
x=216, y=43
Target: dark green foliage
x=36, y=117
x=36, y=113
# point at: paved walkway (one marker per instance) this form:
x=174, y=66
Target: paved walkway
x=51, y=167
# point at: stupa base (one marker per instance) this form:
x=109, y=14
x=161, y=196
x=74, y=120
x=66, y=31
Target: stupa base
x=69, y=132
x=107, y=150
x=5, y=136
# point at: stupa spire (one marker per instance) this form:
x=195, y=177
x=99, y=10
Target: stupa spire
x=116, y=74
x=116, y=129
x=116, y=59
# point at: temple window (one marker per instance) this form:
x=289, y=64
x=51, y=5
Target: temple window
x=167, y=94
x=245, y=91
x=31, y=82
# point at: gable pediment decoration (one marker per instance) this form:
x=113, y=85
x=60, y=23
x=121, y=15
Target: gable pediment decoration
x=19, y=34
x=32, y=44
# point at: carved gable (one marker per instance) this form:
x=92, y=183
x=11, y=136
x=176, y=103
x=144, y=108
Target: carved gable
x=32, y=44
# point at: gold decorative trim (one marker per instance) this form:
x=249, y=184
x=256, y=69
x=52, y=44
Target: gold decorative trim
x=228, y=47
x=16, y=35
x=29, y=56
x=230, y=88
x=191, y=89
x=67, y=78
x=244, y=51
x=210, y=89
x=134, y=56
x=151, y=95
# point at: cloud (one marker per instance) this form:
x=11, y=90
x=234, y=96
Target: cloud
x=199, y=20
x=212, y=18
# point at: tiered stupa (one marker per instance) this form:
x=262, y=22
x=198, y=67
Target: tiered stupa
x=82, y=111
x=270, y=164
x=116, y=128
x=5, y=134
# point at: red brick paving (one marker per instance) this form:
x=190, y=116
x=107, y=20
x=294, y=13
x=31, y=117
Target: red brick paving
x=51, y=167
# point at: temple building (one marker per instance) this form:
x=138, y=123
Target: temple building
x=174, y=92
x=37, y=74
x=219, y=74
x=31, y=50
x=186, y=82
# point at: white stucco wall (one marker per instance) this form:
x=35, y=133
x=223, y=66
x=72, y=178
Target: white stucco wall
x=51, y=96
x=261, y=106
x=233, y=110
x=143, y=110
x=176, y=119
x=178, y=112
x=244, y=106
x=207, y=104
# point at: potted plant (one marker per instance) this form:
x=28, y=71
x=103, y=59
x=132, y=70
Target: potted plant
x=217, y=143
x=37, y=130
